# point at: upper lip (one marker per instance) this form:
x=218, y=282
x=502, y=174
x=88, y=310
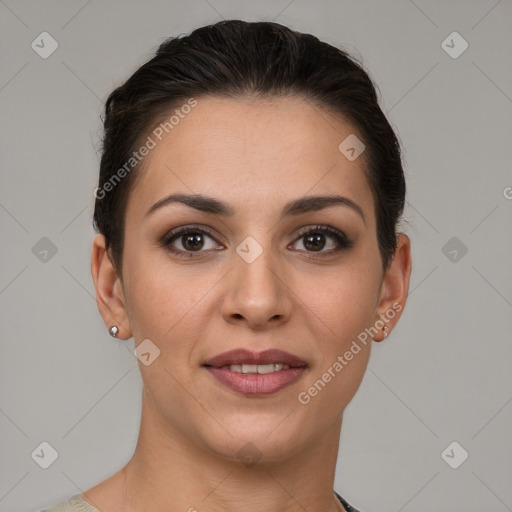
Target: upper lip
x=244, y=356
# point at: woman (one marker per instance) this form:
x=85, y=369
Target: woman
x=249, y=195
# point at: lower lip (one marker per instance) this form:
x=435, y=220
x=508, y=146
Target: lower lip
x=255, y=384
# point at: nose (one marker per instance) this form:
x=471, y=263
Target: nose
x=257, y=293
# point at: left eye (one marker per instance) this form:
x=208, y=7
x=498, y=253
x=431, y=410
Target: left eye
x=317, y=239
x=191, y=240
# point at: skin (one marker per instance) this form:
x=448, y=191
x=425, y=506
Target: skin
x=255, y=155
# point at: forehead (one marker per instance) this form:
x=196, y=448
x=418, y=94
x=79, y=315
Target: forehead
x=249, y=152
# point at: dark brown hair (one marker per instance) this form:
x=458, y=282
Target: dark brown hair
x=234, y=59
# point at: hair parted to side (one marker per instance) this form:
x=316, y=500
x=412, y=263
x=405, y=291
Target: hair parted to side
x=237, y=59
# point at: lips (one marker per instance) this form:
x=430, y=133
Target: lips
x=243, y=356
x=236, y=370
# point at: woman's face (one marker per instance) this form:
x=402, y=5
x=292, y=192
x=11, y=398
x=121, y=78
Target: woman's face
x=273, y=272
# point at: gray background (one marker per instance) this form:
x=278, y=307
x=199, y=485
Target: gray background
x=442, y=376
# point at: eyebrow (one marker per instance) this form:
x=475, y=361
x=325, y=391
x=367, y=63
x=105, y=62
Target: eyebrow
x=296, y=207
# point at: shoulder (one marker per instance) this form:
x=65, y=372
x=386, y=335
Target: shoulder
x=73, y=504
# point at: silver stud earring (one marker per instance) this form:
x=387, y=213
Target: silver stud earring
x=113, y=331
x=386, y=331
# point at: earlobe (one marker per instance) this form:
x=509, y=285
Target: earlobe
x=395, y=287
x=109, y=294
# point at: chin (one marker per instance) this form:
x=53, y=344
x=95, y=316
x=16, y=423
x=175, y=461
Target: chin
x=261, y=440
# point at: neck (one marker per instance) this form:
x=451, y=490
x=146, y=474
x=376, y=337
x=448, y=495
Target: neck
x=168, y=471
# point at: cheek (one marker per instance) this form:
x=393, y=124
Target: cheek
x=328, y=392
x=166, y=307
x=344, y=307
x=343, y=302
x=161, y=299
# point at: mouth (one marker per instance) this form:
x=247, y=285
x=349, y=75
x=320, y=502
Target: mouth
x=256, y=374
x=260, y=369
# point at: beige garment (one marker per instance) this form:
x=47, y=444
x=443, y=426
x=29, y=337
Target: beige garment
x=73, y=504
x=77, y=504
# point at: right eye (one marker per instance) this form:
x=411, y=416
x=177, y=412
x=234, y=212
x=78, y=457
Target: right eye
x=188, y=240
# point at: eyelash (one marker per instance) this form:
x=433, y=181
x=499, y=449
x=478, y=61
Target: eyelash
x=340, y=237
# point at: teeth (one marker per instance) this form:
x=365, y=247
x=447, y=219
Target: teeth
x=258, y=368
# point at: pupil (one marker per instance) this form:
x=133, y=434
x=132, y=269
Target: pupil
x=316, y=242
x=193, y=241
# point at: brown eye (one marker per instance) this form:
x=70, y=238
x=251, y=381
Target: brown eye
x=314, y=242
x=189, y=240
x=192, y=242
x=323, y=237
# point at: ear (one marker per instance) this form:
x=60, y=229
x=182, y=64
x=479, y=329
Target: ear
x=395, y=287
x=109, y=291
